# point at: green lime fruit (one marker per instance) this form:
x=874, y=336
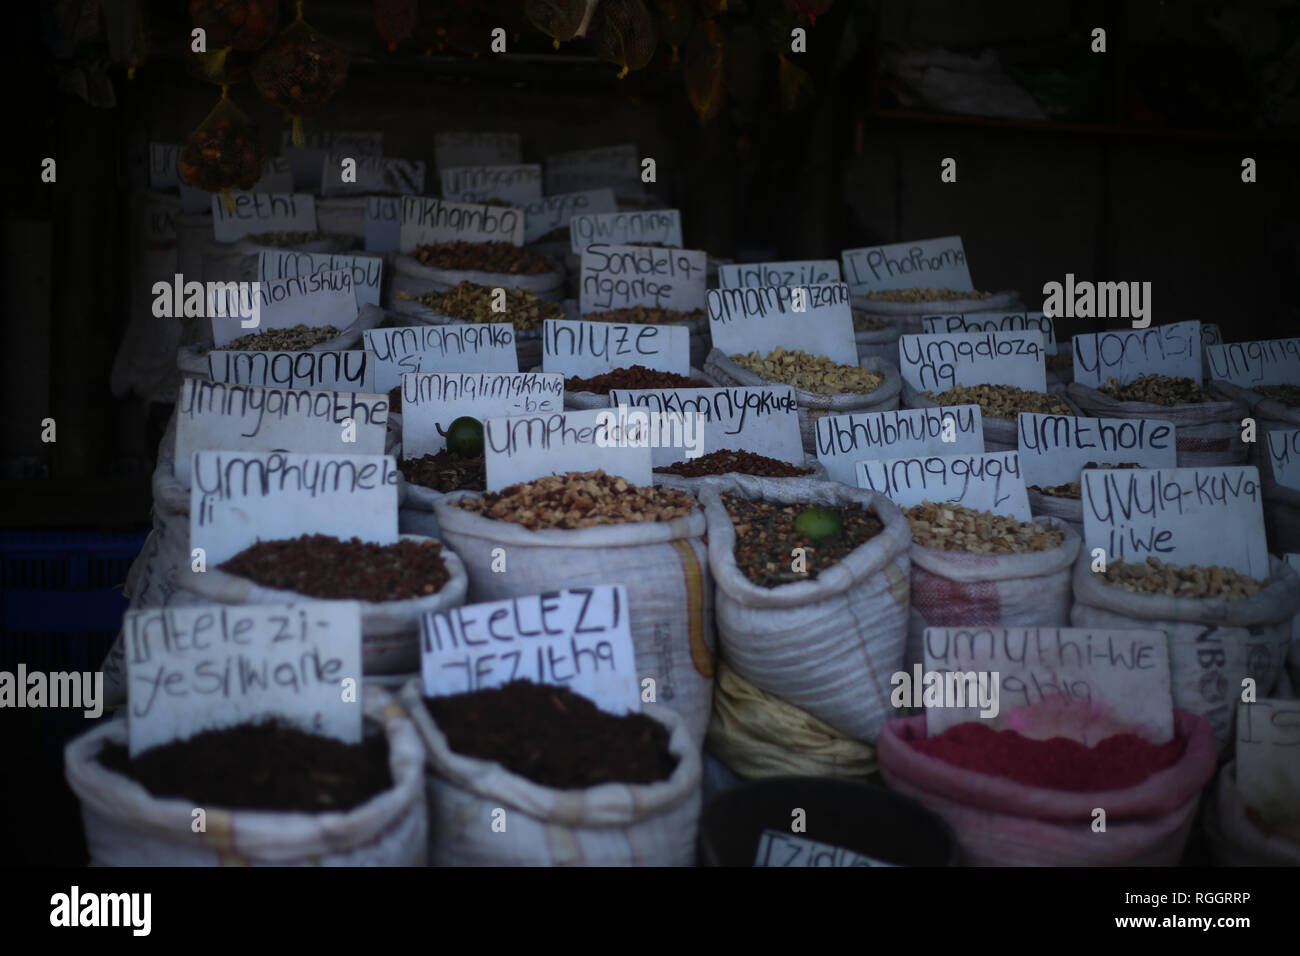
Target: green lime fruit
x=465, y=437
x=818, y=524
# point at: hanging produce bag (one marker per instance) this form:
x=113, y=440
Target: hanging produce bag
x=242, y=25
x=703, y=66
x=299, y=71
x=224, y=152
x=395, y=20
x=623, y=32
x=558, y=19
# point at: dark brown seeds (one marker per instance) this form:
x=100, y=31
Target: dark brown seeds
x=765, y=539
x=319, y=565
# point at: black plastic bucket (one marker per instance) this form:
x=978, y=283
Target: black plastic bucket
x=878, y=823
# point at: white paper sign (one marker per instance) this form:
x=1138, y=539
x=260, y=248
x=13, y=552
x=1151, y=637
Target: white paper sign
x=936, y=363
x=618, y=167
x=762, y=420
x=584, y=349
x=191, y=669
x=332, y=370
x=1211, y=334
x=367, y=271
x=776, y=848
x=1084, y=684
x=1128, y=354
x=256, y=213
x=489, y=347
x=276, y=177
x=760, y=319
x=621, y=228
x=467, y=148
x=426, y=220
x=1248, y=364
x=986, y=482
x=164, y=165
x=992, y=322
x=371, y=174
x=576, y=638
x=240, y=497
x=1284, y=456
x=306, y=160
x=749, y=275
x=549, y=213
x=1268, y=757
x=528, y=447
x=383, y=223
x=1200, y=516
x=923, y=264
x=315, y=300
x=215, y=415
x=845, y=440
x=436, y=399
x=619, y=277
x=516, y=184
x=1054, y=448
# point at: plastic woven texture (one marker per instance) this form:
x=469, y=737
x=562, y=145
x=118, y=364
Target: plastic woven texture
x=623, y=32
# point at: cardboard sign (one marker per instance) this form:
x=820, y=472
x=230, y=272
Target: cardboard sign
x=1201, y=516
x=240, y=497
x=776, y=848
x=469, y=148
x=845, y=440
x=383, y=223
x=439, y=348
x=315, y=300
x=1211, y=334
x=530, y=446
x=618, y=167
x=164, y=165
x=513, y=184
x=277, y=177
x=433, y=400
x=331, y=370
x=751, y=275
x=1268, y=758
x=584, y=349
x=545, y=215
x=992, y=322
x=1248, y=364
x=1054, y=448
x=367, y=271
x=621, y=228
x=1284, y=456
x=576, y=638
x=938, y=362
x=763, y=420
x=257, y=213
x=925, y=263
x=426, y=220
x=1084, y=684
x=986, y=482
x=191, y=669
x=371, y=174
x=216, y=415
x=306, y=161
x=761, y=319
x=1128, y=354
x=619, y=277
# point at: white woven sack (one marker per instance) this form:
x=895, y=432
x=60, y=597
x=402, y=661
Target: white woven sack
x=693, y=486
x=1235, y=839
x=1213, y=644
x=342, y=216
x=415, y=514
x=829, y=645
x=1006, y=299
x=1000, y=434
x=1068, y=511
x=879, y=343
x=416, y=279
x=614, y=824
x=663, y=564
x=127, y=826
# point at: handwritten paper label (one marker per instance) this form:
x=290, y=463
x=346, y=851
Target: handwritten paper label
x=751, y=275
x=1284, y=456
x=468, y=148
x=331, y=370
x=1211, y=334
x=939, y=362
x=845, y=440
x=433, y=400
x=1054, y=448
x=992, y=322
x=164, y=165
x=621, y=228
x=925, y=263
x=760, y=319
x=1085, y=684
x=985, y=482
x=513, y=184
x=306, y=160
x=191, y=669
x=439, y=348
x=215, y=415
x=367, y=271
x=256, y=213
x=316, y=300
x=276, y=177
x=383, y=223
x=763, y=420
x=1127, y=354
x=1190, y=516
x=776, y=848
x=374, y=174
x=426, y=220
x=583, y=349
x=576, y=638
x=1268, y=758
x=1248, y=364
x=545, y=215
x=619, y=277
x=240, y=497
x=618, y=167
x=530, y=446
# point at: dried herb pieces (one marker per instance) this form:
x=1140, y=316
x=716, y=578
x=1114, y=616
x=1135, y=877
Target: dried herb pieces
x=1288, y=395
x=635, y=376
x=580, y=500
x=484, y=257
x=812, y=373
x=1156, y=390
x=727, y=461
x=765, y=539
x=323, y=566
x=644, y=315
x=1002, y=401
x=446, y=472
x=926, y=295
x=957, y=528
x=1185, y=581
x=472, y=302
x=282, y=340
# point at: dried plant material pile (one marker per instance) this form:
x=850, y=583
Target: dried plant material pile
x=483, y=257
x=957, y=528
x=281, y=340
x=285, y=238
x=1002, y=401
x=926, y=295
x=320, y=565
x=1157, y=390
x=472, y=302
x=1074, y=489
x=636, y=376
x=727, y=461
x=1180, y=580
x=644, y=315
x=580, y=499
x=446, y=472
x=867, y=323
x=765, y=539
x=1060, y=361
x=1288, y=395
x=812, y=373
